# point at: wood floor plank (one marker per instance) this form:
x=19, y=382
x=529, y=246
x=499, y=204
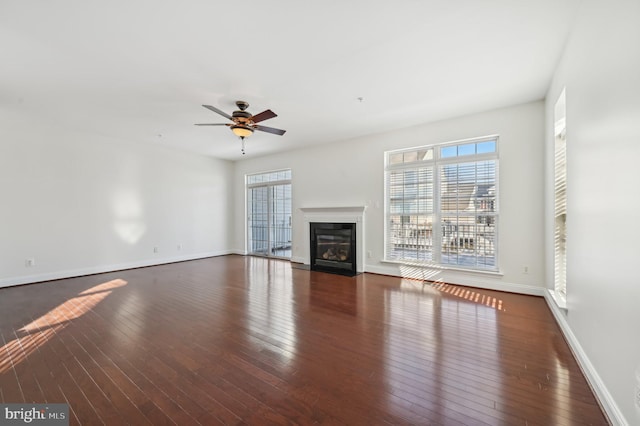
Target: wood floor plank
x=245, y=340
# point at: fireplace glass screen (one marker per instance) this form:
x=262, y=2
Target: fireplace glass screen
x=333, y=247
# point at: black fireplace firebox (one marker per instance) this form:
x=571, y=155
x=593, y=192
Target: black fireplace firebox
x=333, y=247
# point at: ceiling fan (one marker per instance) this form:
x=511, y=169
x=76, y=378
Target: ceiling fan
x=243, y=123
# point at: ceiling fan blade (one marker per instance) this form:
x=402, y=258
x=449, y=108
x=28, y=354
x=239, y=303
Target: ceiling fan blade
x=214, y=109
x=264, y=115
x=212, y=124
x=270, y=130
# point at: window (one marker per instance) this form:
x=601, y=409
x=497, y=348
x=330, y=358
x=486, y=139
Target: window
x=441, y=204
x=560, y=201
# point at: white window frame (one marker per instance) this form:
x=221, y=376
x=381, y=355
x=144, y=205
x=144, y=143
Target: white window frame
x=436, y=162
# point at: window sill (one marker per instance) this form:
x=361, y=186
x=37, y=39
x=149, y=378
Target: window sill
x=561, y=302
x=443, y=267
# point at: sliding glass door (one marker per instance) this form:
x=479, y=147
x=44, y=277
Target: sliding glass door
x=269, y=214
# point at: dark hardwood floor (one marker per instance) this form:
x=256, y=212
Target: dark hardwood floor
x=242, y=340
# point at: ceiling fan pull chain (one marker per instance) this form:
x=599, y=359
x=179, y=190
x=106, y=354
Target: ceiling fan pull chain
x=242, y=139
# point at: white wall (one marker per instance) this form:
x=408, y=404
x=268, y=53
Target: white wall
x=80, y=203
x=601, y=71
x=351, y=173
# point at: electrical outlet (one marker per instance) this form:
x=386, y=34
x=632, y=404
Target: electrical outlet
x=525, y=269
x=155, y=249
x=369, y=254
x=30, y=262
x=179, y=247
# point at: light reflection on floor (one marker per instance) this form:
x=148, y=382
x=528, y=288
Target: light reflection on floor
x=432, y=352
x=270, y=306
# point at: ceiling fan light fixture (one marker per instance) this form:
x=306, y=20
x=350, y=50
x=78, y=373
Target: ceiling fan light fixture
x=241, y=131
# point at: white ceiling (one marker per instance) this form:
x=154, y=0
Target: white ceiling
x=140, y=70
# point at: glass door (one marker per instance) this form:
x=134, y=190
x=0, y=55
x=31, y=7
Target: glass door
x=280, y=220
x=258, y=223
x=269, y=214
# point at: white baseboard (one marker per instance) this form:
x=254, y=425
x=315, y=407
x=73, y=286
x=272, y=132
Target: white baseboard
x=607, y=402
x=71, y=273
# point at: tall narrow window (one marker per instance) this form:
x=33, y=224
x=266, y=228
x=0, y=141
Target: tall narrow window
x=442, y=204
x=560, y=200
x=269, y=213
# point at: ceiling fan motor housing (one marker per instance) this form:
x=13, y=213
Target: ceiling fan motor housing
x=241, y=116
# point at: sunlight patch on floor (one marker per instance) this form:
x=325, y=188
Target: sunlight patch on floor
x=38, y=332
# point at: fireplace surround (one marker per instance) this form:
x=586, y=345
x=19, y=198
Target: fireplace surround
x=338, y=214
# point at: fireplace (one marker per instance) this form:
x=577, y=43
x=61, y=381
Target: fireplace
x=333, y=247
x=332, y=215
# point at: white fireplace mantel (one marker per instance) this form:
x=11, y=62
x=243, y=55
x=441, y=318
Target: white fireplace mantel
x=348, y=214
x=358, y=210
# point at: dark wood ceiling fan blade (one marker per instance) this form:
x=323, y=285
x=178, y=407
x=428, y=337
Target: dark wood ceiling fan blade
x=214, y=109
x=213, y=124
x=264, y=115
x=270, y=130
